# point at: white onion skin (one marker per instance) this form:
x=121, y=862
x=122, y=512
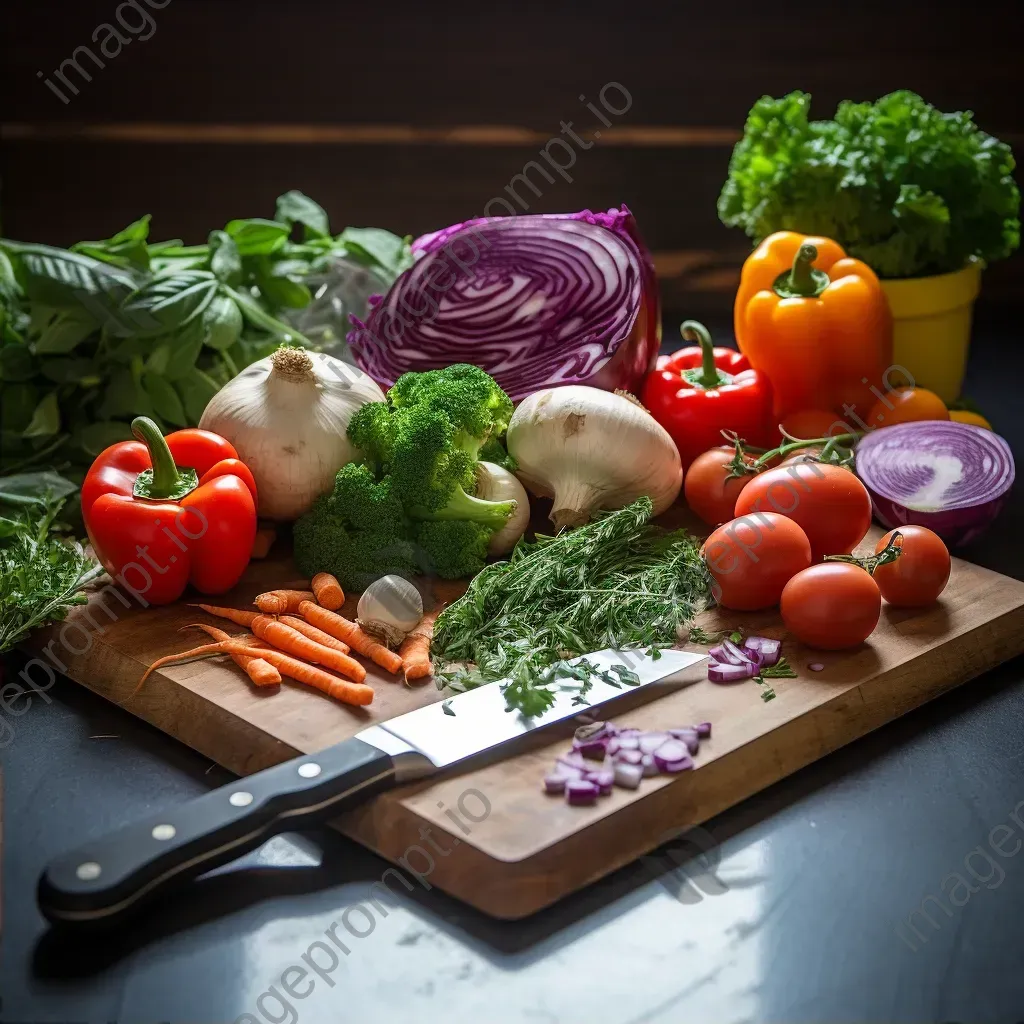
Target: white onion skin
x=590, y=449
x=288, y=420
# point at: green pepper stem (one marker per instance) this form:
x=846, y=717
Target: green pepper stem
x=710, y=376
x=166, y=478
x=800, y=279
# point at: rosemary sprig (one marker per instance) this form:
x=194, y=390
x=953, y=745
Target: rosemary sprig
x=617, y=582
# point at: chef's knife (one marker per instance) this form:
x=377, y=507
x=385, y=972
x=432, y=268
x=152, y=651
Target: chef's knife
x=113, y=875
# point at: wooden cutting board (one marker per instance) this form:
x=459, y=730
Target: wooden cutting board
x=509, y=849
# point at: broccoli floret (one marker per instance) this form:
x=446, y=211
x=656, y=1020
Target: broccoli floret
x=451, y=548
x=358, y=532
x=494, y=451
x=469, y=397
x=371, y=430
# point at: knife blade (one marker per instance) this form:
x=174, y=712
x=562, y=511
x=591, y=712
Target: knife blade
x=109, y=878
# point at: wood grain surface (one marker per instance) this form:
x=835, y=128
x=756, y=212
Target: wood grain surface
x=528, y=850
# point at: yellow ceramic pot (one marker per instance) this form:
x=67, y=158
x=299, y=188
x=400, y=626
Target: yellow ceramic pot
x=932, y=327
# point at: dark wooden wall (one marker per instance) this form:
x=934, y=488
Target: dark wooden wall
x=411, y=116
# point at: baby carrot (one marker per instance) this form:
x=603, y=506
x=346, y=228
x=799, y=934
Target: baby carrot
x=280, y=602
x=261, y=672
x=328, y=591
x=415, y=649
x=315, y=634
x=290, y=640
x=340, y=627
x=236, y=615
x=320, y=679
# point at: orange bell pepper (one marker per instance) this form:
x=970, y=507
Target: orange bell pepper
x=816, y=323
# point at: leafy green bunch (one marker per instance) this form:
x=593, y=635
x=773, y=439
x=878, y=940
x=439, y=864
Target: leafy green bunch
x=908, y=189
x=94, y=335
x=409, y=506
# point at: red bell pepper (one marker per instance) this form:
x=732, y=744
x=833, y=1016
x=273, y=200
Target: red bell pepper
x=156, y=527
x=699, y=391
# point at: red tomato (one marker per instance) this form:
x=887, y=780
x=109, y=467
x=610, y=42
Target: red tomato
x=753, y=558
x=921, y=572
x=709, y=489
x=830, y=504
x=834, y=605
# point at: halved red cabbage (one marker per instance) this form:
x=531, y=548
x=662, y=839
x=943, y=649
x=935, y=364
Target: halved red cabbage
x=537, y=301
x=951, y=477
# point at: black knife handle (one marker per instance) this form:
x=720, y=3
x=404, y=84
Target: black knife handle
x=110, y=877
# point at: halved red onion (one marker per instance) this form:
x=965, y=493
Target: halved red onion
x=950, y=477
x=537, y=301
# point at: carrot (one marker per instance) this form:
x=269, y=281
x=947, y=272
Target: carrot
x=278, y=602
x=263, y=542
x=315, y=634
x=320, y=679
x=291, y=641
x=261, y=672
x=340, y=627
x=328, y=591
x=415, y=649
x=238, y=616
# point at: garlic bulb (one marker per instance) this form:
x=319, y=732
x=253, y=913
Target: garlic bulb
x=389, y=609
x=496, y=484
x=591, y=449
x=287, y=415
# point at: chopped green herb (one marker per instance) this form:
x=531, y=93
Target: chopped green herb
x=780, y=670
x=446, y=707
x=617, y=582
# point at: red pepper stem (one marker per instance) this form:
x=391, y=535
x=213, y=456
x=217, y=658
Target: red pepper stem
x=710, y=376
x=166, y=478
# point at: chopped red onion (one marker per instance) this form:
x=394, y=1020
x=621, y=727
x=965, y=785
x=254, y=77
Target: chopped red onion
x=731, y=673
x=554, y=782
x=816, y=666
x=628, y=775
x=649, y=765
x=704, y=730
x=630, y=742
x=629, y=757
x=739, y=656
x=689, y=736
x=682, y=765
x=670, y=752
x=604, y=780
x=592, y=750
x=580, y=792
x=576, y=761
x=650, y=741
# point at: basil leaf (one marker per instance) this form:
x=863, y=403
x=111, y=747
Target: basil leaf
x=156, y=361
x=16, y=363
x=64, y=370
x=97, y=436
x=196, y=391
x=124, y=396
x=184, y=351
x=168, y=303
x=278, y=290
x=65, y=332
x=137, y=231
x=165, y=399
x=225, y=261
x=45, y=420
x=17, y=403
x=296, y=208
x=68, y=280
x=38, y=486
x=222, y=323
x=259, y=317
x=257, y=237
x=375, y=246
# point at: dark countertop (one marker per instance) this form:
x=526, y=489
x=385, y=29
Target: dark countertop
x=814, y=877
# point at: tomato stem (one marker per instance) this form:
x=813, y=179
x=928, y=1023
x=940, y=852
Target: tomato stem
x=870, y=563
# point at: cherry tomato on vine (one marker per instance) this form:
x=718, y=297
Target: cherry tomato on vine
x=828, y=502
x=708, y=487
x=751, y=559
x=921, y=572
x=833, y=605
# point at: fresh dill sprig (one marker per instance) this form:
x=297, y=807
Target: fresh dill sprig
x=617, y=582
x=41, y=574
